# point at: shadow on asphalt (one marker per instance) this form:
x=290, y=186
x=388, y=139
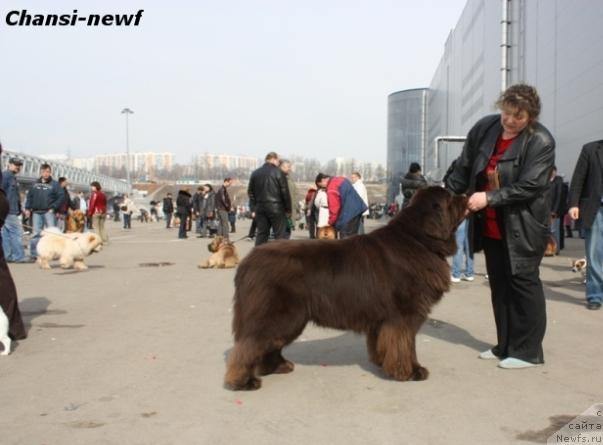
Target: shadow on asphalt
x=550, y=293
x=31, y=308
x=350, y=348
x=73, y=271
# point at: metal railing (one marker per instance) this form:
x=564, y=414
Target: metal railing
x=79, y=178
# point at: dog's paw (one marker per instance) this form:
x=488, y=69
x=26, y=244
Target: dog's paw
x=251, y=384
x=285, y=367
x=420, y=373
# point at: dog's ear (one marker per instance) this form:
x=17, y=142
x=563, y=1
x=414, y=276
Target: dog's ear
x=91, y=238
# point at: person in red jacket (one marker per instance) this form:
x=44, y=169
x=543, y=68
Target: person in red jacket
x=97, y=210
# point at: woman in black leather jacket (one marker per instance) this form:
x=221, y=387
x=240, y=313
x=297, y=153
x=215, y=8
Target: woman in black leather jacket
x=505, y=167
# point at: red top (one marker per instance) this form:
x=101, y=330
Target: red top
x=98, y=203
x=492, y=230
x=334, y=198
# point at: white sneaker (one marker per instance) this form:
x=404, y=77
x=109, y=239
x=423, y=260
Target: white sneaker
x=488, y=355
x=515, y=363
x=455, y=279
x=467, y=278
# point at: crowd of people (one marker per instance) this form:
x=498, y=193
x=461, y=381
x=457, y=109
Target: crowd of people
x=517, y=207
x=48, y=203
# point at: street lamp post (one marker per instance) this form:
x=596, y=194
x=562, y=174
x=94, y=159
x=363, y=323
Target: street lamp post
x=127, y=112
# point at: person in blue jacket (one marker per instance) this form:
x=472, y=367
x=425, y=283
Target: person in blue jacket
x=44, y=200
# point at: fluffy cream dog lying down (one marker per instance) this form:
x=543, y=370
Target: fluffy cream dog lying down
x=69, y=248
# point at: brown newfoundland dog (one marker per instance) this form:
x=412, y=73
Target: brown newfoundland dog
x=382, y=284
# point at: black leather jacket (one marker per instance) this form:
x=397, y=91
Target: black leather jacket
x=523, y=199
x=410, y=184
x=184, y=204
x=268, y=190
x=586, y=190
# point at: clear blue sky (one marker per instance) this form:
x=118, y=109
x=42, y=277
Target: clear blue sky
x=242, y=77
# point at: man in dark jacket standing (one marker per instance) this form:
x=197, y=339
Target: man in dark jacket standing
x=412, y=182
x=208, y=210
x=269, y=200
x=183, y=210
x=197, y=204
x=12, y=234
x=558, y=204
x=168, y=210
x=223, y=205
x=63, y=211
x=8, y=291
x=586, y=203
x=43, y=202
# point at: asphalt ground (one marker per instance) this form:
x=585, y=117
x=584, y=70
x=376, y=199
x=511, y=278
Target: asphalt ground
x=133, y=353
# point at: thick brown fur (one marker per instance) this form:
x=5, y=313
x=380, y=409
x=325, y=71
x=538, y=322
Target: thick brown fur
x=382, y=284
x=76, y=221
x=224, y=256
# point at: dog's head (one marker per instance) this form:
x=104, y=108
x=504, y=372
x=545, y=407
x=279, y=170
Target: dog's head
x=78, y=216
x=438, y=211
x=215, y=244
x=579, y=265
x=90, y=241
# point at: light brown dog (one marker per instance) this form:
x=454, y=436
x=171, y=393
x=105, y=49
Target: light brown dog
x=69, y=248
x=327, y=232
x=224, y=256
x=76, y=221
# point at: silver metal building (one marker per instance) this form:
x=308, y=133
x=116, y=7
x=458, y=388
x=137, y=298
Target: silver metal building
x=406, y=132
x=555, y=45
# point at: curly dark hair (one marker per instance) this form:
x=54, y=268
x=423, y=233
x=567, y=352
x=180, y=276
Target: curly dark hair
x=523, y=97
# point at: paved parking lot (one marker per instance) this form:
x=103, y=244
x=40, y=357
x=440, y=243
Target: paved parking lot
x=130, y=354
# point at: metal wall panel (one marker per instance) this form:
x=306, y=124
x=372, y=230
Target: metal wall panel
x=405, y=135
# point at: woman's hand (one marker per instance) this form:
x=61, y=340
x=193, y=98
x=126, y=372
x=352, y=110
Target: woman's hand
x=477, y=201
x=574, y=213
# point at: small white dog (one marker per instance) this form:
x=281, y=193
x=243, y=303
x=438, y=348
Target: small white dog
x=4, y=338
x=580, y=266
x=69, y=248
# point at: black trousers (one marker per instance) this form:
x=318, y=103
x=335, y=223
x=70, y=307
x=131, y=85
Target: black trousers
x=252, y=229
x=270, y=218
x=168, y=219
x=311, y=226
x=351, y=228
x=182, y=229
x=519, y=306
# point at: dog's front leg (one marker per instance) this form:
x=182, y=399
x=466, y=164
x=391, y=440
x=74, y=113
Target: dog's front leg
x=79, y=265
x=397, y=344
x=66, y=262
x=43, y=263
